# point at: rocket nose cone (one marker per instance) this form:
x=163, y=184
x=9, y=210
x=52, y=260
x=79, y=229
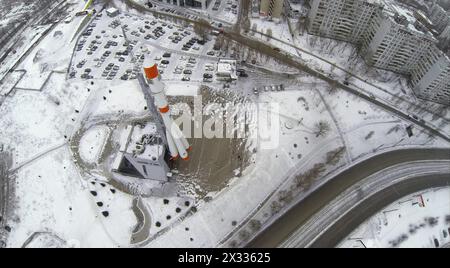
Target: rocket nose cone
x=151, y=72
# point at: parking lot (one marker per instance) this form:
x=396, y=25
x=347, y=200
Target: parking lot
x=115, y=48
x=225, y=9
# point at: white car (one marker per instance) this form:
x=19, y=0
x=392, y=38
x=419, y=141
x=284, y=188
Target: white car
x=157, y=58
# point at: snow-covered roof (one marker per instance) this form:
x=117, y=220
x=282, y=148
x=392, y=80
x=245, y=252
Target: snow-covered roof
x=111, y=10
x=393, y=9
x=226, y=66
x=137, y=144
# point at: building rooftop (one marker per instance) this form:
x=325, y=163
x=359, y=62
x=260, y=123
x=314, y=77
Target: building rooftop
x=144, y=142
x=112, y=10
x=404, y=16
x=227, y=67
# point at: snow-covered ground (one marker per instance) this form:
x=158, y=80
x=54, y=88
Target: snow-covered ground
x=419, y=220
x=66, y=203
x=53, y=197
x=92, y=143
x=50, y=55
x=27, y=40
x=34, y=122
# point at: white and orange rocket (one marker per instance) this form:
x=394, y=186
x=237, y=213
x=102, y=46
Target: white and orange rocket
x=176, y=141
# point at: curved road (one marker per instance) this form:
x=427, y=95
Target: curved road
x=365, y=198
x=347, y=223
x=299, y=214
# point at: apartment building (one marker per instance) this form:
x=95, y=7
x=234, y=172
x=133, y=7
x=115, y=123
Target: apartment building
x=430, y=79
x=439, y=17
x=394, y=44
x=391, y=37
x=444, y=39
x=271, y=8
x=345, y=20
x=203, y=4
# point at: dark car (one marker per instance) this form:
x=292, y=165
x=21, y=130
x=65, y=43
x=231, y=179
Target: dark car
x=243, y=75
x=165, y=62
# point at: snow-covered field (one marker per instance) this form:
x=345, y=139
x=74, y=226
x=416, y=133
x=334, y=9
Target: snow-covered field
x=34, y=122
x=54, y=198
x=92, y=143
x=28, y=39
x=53, y=123
x=50, y=55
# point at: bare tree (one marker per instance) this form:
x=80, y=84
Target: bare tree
x=333, y=157
x=321, y=128
x=305, y=180
x=244, y=235
x=201, y=28
x=246, y=24
x=285, y=196
x=333, y=87
x=255, y=225
x=220, y=42
x=275, y=207
x=269, y=34
x=313, y=41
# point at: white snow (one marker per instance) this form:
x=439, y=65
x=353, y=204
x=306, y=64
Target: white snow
x=91, y=144
x=53, y=197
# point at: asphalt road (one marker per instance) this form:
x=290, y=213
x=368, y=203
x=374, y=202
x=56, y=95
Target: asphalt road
x=294, y=218
x=345, y=203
